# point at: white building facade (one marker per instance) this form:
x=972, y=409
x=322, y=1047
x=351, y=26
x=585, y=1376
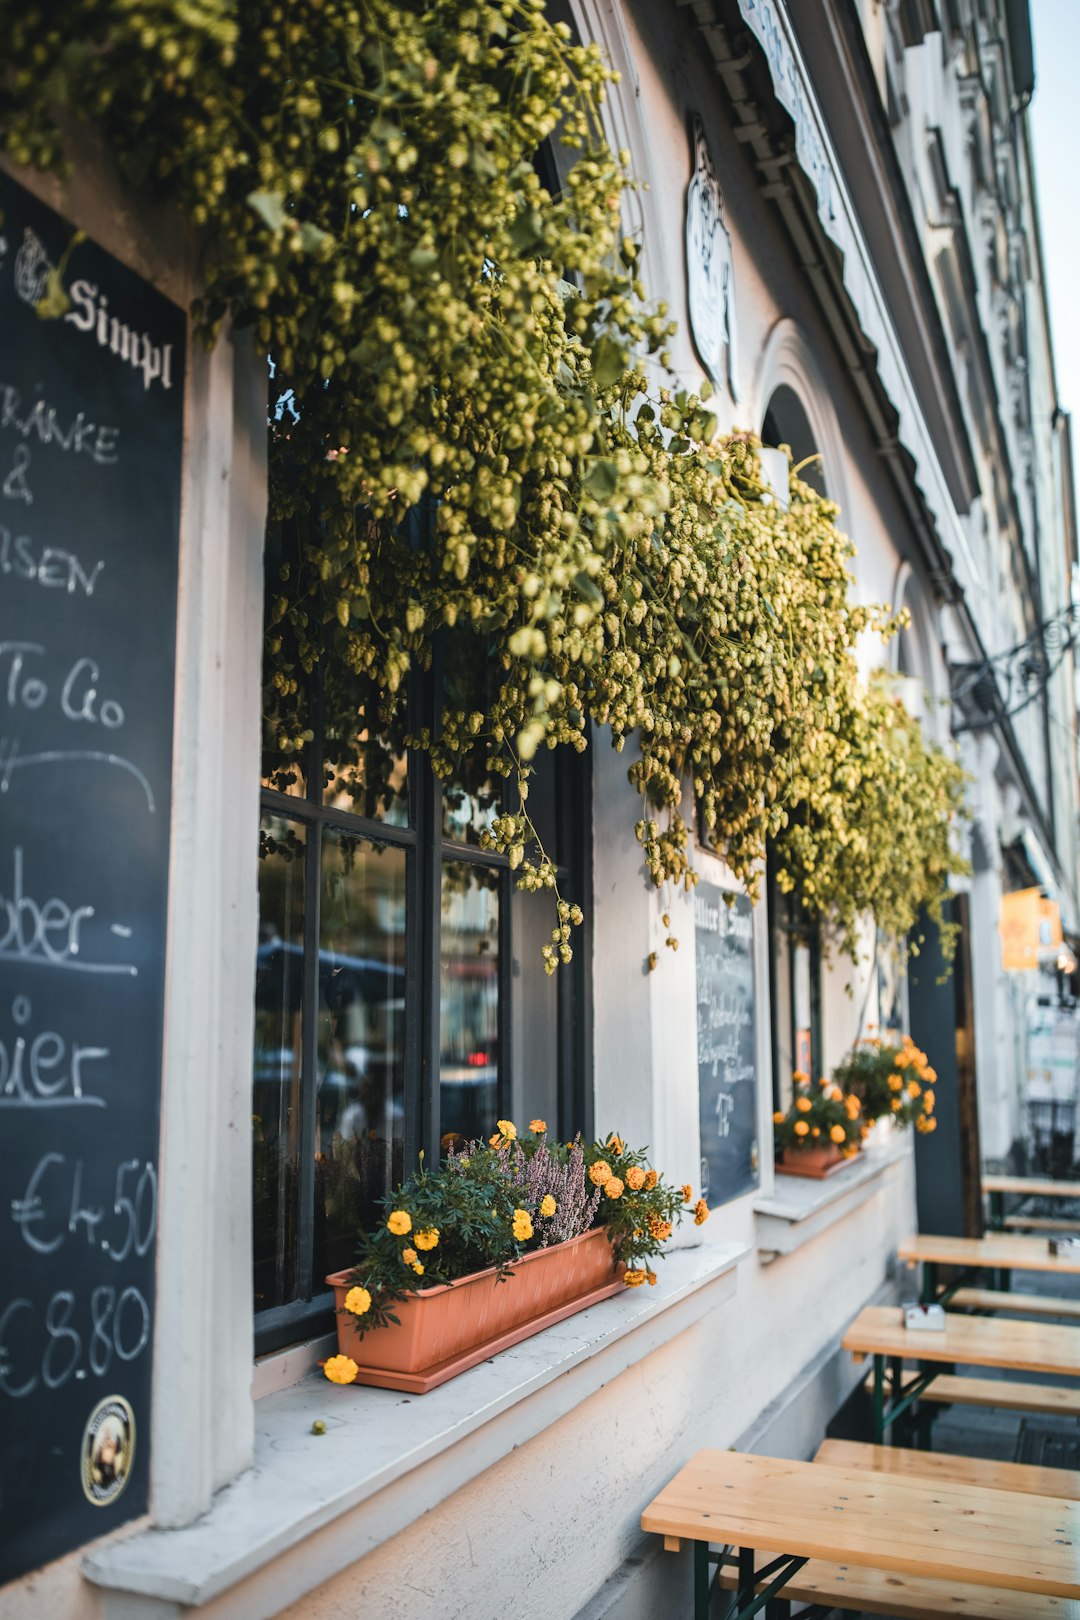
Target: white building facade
x=874, y=298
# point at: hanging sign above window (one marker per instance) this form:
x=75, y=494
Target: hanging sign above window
x=710, y=270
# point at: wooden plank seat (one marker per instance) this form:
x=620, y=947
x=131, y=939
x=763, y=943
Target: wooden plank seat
x=1031, y=1186
x=1039, y=1223
x=910, y=1597
x=1046, y=1400
x=994, y=1299
x=952, y=1389
x=1032, y=1478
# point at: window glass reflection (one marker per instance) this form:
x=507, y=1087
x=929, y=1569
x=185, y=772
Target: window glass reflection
x=276, y=1103
x=360, y=1099
x=469, y=1000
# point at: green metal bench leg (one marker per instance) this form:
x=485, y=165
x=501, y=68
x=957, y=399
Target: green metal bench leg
x=997, y=1210
x=702, y=1580
x=929, y=1281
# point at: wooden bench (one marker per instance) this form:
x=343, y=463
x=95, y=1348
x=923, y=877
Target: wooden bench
x=920, y=1597
x=1038, y=1223
x=952, y=1389
x=992, y=1299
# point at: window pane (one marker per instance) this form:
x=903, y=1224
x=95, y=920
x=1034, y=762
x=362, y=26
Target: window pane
x=366, y=770
x=470, y=797
x=469, y=1000
x=535, y=1068
x=361, y=1041
x=276, y=1104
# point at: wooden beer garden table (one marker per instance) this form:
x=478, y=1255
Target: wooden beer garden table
x=998, y=1252
x=973, y=1341
x=950, y=1532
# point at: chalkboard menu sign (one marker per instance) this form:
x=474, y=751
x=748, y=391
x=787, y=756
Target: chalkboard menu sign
x=727, y=1079
x=91, y=438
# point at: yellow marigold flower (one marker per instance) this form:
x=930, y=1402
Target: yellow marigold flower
x=803, y=1104
x=928, y=1101
x=340, y=1369
x=538, y=1126
x=418, y=1268
x=687, y=1192
x=523, y=1226
x=801, y=1128
x=358, y=1301
x=633, y=1278
x=547, y=1205
x=613, y=1187
x=896, y=1105
x=914, y=1089
x=428, y=1239
x=651, y=1178
x=659, y=1229
x=779, y=1118
x=896, y=1082
x=852, y=1105
x=399, y=1222
x=635, y=1178
x=835, y=1094
x=409, y=1256
x=800, y=1077
x=506, y=1129
x=838, y=1133
x=931, y=1124
x=599, y=1172
x=815, y=1130
x=701, y=1212
x=930, y=1075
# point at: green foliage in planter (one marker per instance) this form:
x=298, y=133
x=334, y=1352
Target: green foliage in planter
x=892, y=1078
x=820, y=1116
x=465, y=345
x=492, y=1203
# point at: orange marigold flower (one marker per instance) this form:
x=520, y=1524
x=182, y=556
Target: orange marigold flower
x=896, y=1082
x=340, y=1369
x=409, y=1256
x=428, y=1239
x=835, y=1094
x=801, y=1128
x=896, y=1105
x=538, y=1126
x=800, y=1077
x=633, y=1278
x=914, y=1089
x=635, y=1178
x=652, y=1278
x=779, y=1118
x=838, y=1133
x=687, y=1192
x=701, y=1212
x=599, y=1172
x=616, y=1144
x=658, y=1229
x=399, y=1222
x=613, y=1187
x=803, y=1104
x=651, y=1178
x=815, y=1130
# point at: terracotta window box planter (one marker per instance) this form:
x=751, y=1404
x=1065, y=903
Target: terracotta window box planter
x=817, y=1162
x=445, y=1330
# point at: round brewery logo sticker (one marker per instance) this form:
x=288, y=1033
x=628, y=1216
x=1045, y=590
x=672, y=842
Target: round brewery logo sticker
x=108, y=1450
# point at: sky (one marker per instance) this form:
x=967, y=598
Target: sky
x=1055, y=122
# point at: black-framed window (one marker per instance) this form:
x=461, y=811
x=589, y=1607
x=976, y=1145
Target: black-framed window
x=400, y=993
x=794, y=992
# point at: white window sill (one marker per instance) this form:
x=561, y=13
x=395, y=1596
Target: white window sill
x=799, y=1209
x=342, y=1483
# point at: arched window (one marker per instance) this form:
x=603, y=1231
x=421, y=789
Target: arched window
x=794, y=936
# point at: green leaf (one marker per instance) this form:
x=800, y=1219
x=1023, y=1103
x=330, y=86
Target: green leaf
x=601, y=479
x=526, y=231
x=270, y=207
x=589, y=589
x=609, y=358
